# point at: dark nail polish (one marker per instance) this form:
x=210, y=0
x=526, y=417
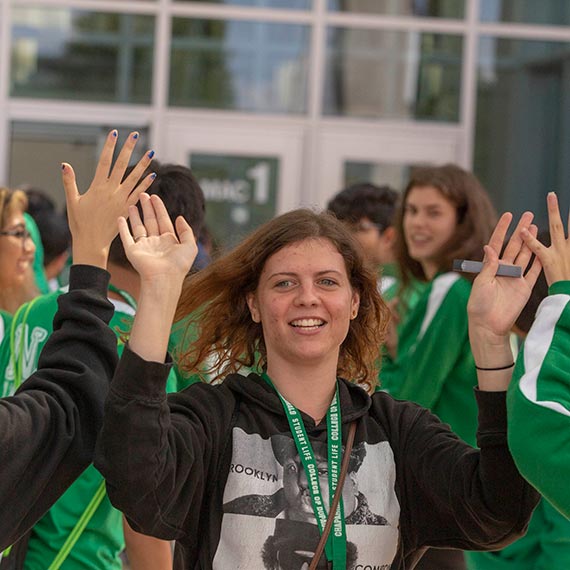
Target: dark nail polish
x=150, y=153
x=114, y=133
x=153, y=175
x=135, y=135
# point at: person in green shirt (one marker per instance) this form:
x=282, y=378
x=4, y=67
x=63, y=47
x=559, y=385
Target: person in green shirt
x=539, y=396
x=445, y=214
x=546, y=545
x=105, y=535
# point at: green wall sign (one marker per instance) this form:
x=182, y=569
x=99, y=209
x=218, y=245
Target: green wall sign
x=240, y=191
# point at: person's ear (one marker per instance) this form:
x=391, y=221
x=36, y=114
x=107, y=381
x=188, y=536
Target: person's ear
x=251, y=300
x=355, y=304
x=389, y=236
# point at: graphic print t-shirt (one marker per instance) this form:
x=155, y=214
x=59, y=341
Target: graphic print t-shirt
x=268, y=522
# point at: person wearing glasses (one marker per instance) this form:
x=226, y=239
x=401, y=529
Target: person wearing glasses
x=17, y=252
x=369, y=212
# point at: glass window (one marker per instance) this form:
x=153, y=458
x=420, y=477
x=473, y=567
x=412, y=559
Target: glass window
x=393, y=75
x=522, y=137
x=380, y=173
x=241, y=65
x=72, y=54
x=556, y=12
x=240, y=192
x=281, y=4
x=51, y=144
x=426, y=8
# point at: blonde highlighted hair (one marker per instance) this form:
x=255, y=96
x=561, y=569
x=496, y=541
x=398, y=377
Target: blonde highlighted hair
x=11, y=202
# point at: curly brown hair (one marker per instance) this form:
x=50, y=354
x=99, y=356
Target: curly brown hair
x=476, y=218
x=214, y=307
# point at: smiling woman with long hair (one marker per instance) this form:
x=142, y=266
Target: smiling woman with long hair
x=445, y=215
x=215, y=467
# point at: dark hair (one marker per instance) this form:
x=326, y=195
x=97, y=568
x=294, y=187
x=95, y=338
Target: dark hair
x=54, y=233
x=476, y=218
x=538, y=293
x=181, y=194
x=39, y=202
x=365, y=200
x=215, y=300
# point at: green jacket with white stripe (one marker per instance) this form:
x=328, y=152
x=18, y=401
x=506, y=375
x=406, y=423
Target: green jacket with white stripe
x=539, y=401
x=434, y=366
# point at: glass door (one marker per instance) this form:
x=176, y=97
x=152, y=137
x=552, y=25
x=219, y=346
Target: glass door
x=383, y=155
x=249, y=173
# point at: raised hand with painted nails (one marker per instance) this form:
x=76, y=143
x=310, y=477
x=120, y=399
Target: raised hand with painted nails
x=93, y=215
x=49, y=427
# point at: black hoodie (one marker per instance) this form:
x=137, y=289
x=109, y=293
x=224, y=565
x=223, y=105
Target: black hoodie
x=214, y=468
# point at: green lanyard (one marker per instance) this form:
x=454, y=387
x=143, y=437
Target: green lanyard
x=335, y=548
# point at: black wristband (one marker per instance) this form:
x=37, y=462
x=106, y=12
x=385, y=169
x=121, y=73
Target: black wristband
x=498, y=368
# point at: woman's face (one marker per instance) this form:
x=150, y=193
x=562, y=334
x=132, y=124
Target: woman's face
x=16, y=253
x=304, y=302
x=430, y=220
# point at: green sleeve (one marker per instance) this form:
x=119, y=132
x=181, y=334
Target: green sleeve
x=554, y=539
x=431, y=342
x=539, y=401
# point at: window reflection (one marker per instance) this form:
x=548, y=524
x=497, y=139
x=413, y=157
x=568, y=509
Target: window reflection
x=395, y=175
x=52, y=143
x=556, y=12
x=387, y=74
x=522, y=138
x=426, y=8
x=242, y=65
x=63, y=54
x=281, y=4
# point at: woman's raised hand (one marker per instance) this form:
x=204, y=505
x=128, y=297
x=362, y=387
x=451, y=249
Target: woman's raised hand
x=154, y=248
x=496, y=302
x=556, y=258
x=93, y=214
x=162, y=257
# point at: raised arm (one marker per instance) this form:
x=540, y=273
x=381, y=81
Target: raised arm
x=162, y=257
x=539, y=398
x=158, y=448
x=496, y=302
x=48, y=429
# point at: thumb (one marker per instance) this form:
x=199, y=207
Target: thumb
x=184, y=231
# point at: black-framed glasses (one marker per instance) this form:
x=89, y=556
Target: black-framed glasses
x=20, y=233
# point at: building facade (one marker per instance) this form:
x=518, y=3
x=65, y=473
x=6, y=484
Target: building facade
x=281, y=103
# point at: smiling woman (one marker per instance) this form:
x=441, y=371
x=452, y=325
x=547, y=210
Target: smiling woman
x=17, y=250
x=251, y=464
